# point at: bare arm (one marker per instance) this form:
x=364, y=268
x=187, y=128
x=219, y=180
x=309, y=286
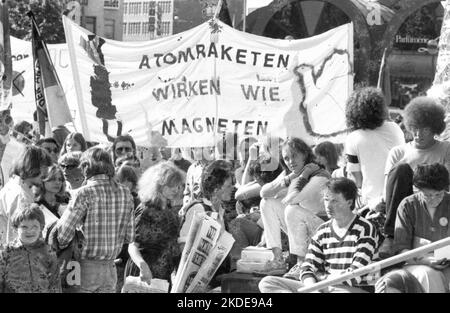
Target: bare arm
x=136, y=256
x=270, y=190
x=253, y=152
x=247, y=191
x=358, y=178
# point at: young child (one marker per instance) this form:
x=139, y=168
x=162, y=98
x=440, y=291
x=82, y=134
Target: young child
x=28, y=265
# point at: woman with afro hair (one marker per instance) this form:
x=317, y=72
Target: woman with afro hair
x=424, y=119
x=372, y=136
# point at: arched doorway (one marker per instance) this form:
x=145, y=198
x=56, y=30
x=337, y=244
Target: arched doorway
x=304, y=18
x=412, y=53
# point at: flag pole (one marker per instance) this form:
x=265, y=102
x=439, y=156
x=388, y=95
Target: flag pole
x=6, y=76
x=40, y=114
x=218, y=8
x=76, y=77
x=244, y=22
x=381, y=72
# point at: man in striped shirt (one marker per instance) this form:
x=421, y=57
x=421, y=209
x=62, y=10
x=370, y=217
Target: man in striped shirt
x=104, y=210
x=344, y=243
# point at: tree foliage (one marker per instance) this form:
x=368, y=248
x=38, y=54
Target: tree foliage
x=48, y=17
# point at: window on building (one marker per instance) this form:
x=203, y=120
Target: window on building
x=134, y=28
x=109, y=28
x=91, y=24
x=125, y=8
x=131, y=8
x=145, y=29
x=124, y=28
x=165, y=28
x=139, y=8
x=165, y=6
x=111, y=4
x=146, y=8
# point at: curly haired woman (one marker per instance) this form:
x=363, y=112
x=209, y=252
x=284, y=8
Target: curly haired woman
x=155, y=251
x=368, y=145
x=425, y=119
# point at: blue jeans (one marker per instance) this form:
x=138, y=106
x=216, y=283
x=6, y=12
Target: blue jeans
x=98, y=276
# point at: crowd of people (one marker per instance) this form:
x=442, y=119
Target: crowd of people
x=77, y=216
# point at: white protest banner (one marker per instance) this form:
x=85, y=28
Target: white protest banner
x=187, y=87
x=24, y=104
x=440, y=90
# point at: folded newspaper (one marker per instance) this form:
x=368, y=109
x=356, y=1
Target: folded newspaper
x=207, y=246
x=134, y=284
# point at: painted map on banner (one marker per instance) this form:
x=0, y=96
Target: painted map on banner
x=23, y=101
x=181, y=90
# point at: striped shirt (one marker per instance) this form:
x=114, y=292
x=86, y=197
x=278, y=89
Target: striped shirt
x=104, y=210
x=329, y=254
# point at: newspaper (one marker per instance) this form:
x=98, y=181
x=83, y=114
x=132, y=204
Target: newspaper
x=195, y=224
x=134, y=284
x=205, y=232
x=212, y=263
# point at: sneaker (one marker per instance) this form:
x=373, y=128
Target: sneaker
x=387, y=248
x=294, y=272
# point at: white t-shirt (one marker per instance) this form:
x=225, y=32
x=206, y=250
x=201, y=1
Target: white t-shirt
x=15, y=194
x=12, y=150
x=367, y=150
x=407, y=153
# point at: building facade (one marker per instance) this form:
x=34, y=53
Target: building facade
x=103, y=18
x=147, y=19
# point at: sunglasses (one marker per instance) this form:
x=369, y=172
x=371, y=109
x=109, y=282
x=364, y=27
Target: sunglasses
x=68, y=166
x=125, y=149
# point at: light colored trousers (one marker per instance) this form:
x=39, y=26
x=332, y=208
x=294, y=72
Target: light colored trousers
x=432, y=281
x=98, y=276
x=274, y=284
x=298, y=223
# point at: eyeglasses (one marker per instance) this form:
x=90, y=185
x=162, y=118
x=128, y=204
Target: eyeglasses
x=68, y=166
x=125, y=149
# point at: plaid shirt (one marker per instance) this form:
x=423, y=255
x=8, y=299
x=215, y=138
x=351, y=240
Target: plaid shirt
x=104, y=209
